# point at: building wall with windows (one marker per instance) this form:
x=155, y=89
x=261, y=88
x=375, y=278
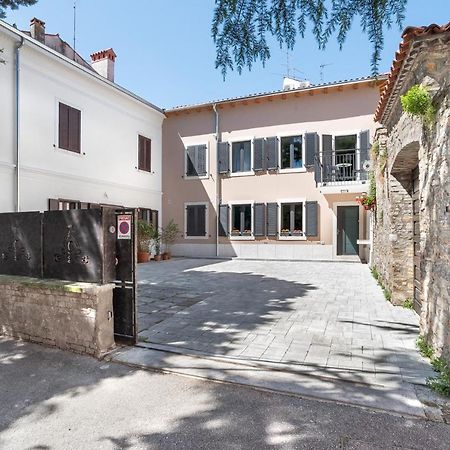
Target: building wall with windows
x=84, y=141
x=271, y=184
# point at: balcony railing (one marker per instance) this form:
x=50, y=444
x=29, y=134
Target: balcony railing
x=341, y=167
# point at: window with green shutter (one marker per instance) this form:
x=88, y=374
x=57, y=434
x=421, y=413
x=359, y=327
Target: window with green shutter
x=69, y=128
x=196, y=220
x=196, y=161
x=292, y=219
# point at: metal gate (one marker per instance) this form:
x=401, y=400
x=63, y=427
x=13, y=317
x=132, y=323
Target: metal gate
x=124, y=294
x=416, y=240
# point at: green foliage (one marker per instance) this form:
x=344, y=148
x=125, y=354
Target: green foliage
x=156, y=240
x=375, y=273
x=375, y=150
x=408, y=303
x=240, y=28
x=169, y=234
x=441, y=382
x=145, y=232
x=13, y=4
x=417, y=102
x=387, y=293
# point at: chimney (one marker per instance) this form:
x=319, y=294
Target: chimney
x=103, y=63
x=37, y=29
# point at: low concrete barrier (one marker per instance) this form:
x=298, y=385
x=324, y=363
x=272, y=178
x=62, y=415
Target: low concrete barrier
x=67, y=315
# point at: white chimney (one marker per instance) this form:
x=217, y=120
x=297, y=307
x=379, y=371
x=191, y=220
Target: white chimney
x=292, y=83
x=103, y=63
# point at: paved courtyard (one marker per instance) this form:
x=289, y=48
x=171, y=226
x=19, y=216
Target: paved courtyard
x=325, y=314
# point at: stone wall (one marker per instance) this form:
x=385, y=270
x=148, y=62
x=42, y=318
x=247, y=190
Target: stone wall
x=405, y=143
x=71, y=316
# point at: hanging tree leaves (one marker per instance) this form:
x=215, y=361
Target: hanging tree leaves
x=240, y=28
x=13, y=4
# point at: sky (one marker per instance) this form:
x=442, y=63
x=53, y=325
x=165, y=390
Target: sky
x=166, y=55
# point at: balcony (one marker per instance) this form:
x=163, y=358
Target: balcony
x=337, y=168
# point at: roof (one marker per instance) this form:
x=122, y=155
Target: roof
x=378, y=80
x=77, y=65
x=409, y=36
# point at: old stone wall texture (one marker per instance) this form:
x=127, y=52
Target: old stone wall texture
x=71, y=316
x=406, y=143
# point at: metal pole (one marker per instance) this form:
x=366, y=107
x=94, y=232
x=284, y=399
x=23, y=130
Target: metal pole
x=18, y=47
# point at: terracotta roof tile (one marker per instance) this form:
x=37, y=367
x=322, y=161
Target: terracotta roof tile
x=409, y=35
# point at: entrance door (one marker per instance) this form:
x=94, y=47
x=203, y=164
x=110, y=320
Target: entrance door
x=347, y=230
x=416, y=241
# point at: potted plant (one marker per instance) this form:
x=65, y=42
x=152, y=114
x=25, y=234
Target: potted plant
x=285, y=232
x=156, y=243
x=367, y=201
x=144, y=235
x=168, y=236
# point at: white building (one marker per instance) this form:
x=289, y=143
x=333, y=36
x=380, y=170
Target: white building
x=70, y=136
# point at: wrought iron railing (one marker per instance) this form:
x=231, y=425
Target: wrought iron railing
x=342, y=167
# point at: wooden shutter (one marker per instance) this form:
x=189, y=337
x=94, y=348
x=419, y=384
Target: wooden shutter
x=63, y=127
x=190, y=163
x=148, y=154
x=363, y=146
x=190, y=220
x=223, y=220
x=223, y=157
x=271, y=146
x=327, y=156
x=144, y=153
x=141, y=145
x=201, y=160
x=259, y=219
x=201, y=220
x=311, y=148
x=74, y=130
x=312, y=218
x=272, y=219
x=53, y=204
x=258, y=155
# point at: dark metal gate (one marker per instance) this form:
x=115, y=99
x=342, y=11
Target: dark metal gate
x=416, y=240
x=124, y=294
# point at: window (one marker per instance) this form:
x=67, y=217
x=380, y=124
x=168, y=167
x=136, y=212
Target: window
x=242, y=156
x=345, y=156
x=65, y=205
x=69, y=128
x=292, y=219
x=149, y=215
x=196, y=161
x=291, y=152
x=241, y=220
x=195, y=220
x=145, y=153
x=343, y=143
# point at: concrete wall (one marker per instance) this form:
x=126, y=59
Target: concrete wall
x=406, y=143
x=106, y=170
x=71, y=316
x=344, y=110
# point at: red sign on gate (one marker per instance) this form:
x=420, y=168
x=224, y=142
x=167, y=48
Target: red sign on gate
x=124, y=226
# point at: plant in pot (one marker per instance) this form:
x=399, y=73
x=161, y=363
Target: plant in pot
x=169, y=235
x=144, y=235
x=367, y=201
x=156, y=243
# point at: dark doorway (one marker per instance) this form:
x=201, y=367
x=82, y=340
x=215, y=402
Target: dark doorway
x=416, y=240
x=347, y=230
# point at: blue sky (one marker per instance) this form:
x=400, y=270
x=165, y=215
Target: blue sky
x=166, y=53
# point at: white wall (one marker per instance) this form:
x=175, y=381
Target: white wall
x=106, y=170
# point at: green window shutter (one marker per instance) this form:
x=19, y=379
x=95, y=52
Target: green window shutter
x=63, y=127
x=201, y=220
x=271, y=146
x=259, y=219
x=312, y=218
x=223, y=220
x=272, y=219
x=201, y=160
x=223, y=157
x=191, y=161
x=311, y=148
x=190, y=220
x=327, y=156
x=258, y=155
x=364, y=145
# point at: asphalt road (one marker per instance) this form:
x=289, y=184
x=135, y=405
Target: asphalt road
x=51, y=399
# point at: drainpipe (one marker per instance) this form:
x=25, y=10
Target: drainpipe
x=216, y=118
x=17, y=124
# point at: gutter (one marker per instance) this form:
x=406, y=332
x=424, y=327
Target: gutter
x=216, y=121
x=17, y=119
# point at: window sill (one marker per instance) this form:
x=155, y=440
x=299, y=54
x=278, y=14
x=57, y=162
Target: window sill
x=194, y=177
x=145, y=171
x=242, y=238
x=299, y=170
x=69, y=152
x=196, y=237
x=241, y=174
x=292, y=238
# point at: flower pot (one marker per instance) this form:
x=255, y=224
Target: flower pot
x=165, y=256
x=157, y=258
x=143, y=257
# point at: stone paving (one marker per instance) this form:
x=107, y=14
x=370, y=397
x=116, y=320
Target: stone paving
x=324, y=314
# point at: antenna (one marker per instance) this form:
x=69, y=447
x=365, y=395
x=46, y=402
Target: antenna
x=74, y=27
x=321, y=70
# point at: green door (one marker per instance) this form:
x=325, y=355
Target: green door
x=347, y=230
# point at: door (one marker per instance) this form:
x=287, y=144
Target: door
x=347, y=230
x=124, y=294
x=416, y=241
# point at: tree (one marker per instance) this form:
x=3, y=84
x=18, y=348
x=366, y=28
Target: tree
x=13, y=4
x=240, y=27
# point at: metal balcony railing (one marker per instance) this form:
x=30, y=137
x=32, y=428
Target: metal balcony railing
x=342, y=166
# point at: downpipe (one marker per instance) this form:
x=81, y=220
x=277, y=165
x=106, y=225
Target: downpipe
x=17, y=124
x=216, y=116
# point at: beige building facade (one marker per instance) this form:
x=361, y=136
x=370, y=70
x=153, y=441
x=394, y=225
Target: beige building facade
x=272, y=176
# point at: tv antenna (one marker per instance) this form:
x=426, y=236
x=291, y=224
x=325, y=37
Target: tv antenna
x=74, y=27
x=291, y=72
x=322, y=66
